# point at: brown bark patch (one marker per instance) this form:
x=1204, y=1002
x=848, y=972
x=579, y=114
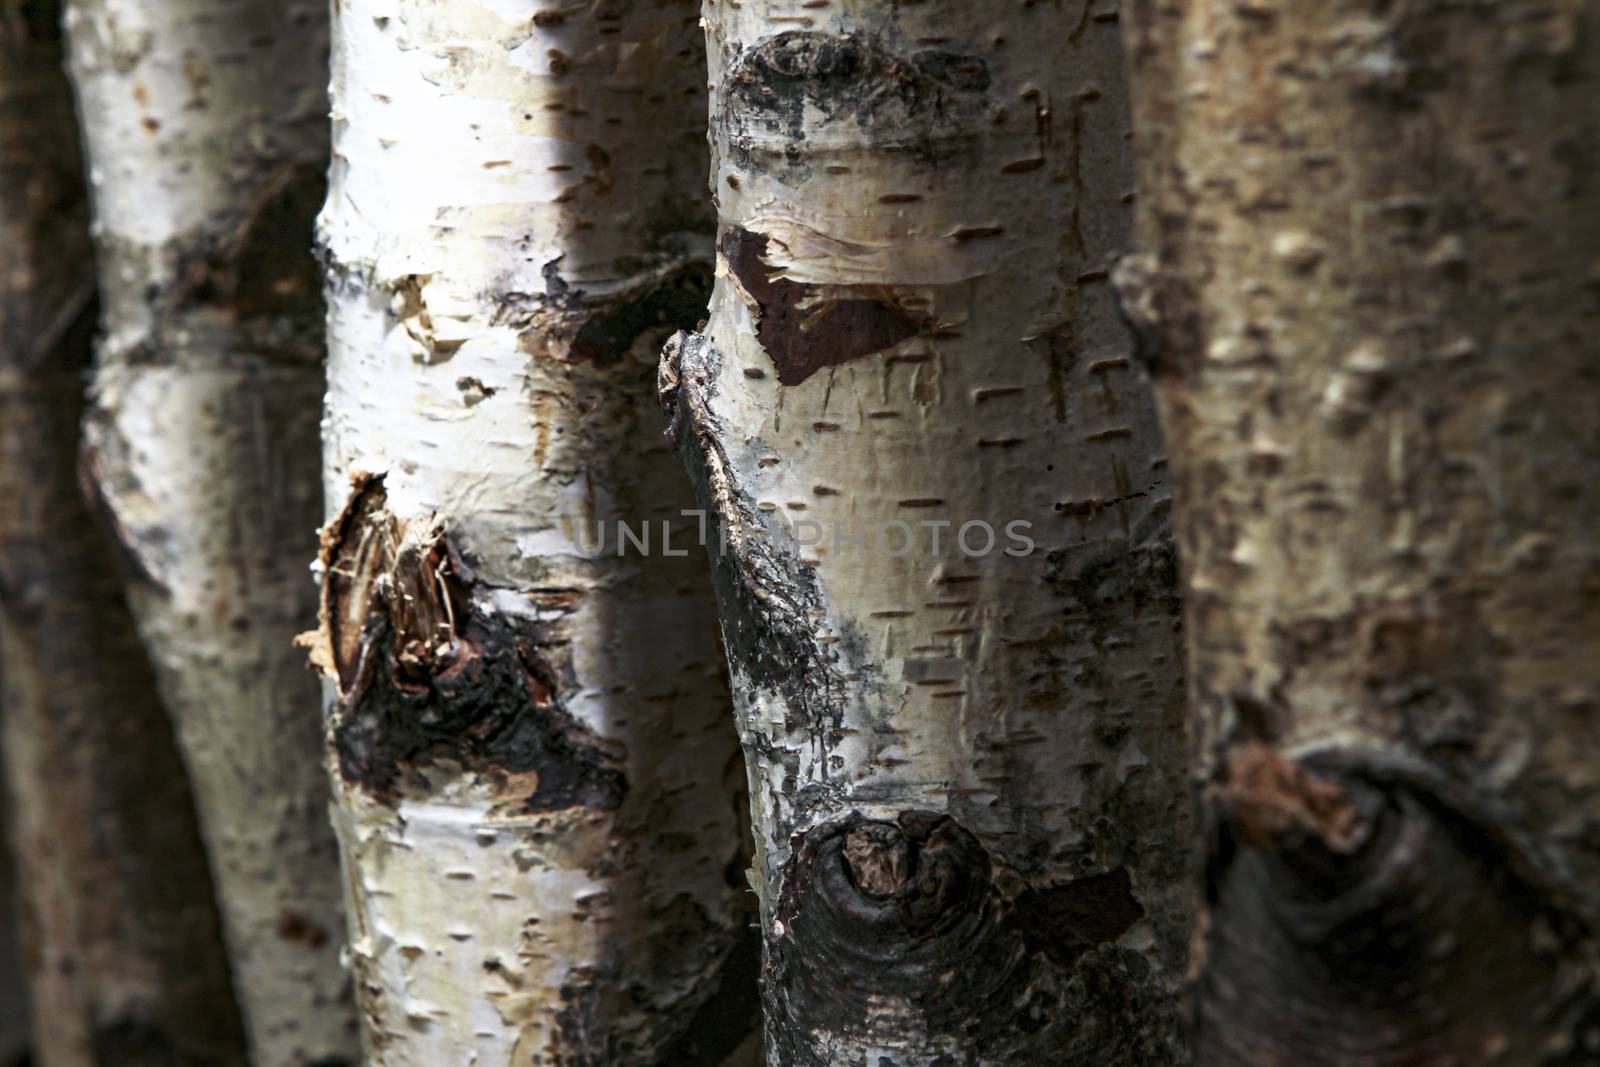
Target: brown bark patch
x=879, y=858
x=801, y=335
x=1268, y=795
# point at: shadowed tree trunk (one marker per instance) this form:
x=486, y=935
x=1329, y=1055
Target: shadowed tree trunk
x=1370, y=291
x=535, y=777
x=939, y=536
x=206, y=149
x=15, y=1039
x=119, y=934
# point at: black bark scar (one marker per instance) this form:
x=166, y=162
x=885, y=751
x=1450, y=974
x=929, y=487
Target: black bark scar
x=426, y=676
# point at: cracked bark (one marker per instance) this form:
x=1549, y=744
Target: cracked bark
x=119, y=935
x=966, y=767
x=535, y=777
x=1368, y=287
x=205, y=145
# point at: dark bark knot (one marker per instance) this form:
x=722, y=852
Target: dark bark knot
x=429, y=675
x=917, y=103
x=908, y=909
x=1356, y=905
x=800, y=334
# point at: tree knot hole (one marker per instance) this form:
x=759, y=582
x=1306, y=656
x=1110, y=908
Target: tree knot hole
x=879, y=858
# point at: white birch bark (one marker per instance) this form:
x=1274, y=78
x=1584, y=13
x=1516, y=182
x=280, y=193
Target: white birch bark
x=965, y=762
x=118, y=931
x=206, y=144
x=534, y=773
x=1370, y=289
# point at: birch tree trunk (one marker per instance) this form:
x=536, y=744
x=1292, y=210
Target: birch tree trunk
x=119, y=933
x=534, y=774
x=940, y=549
x=206, y=146
x=1371, y=293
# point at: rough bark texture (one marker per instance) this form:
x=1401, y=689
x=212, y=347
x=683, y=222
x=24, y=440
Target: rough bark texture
x=206, y=147
x=965, y=762
x=536, y=779
x=1370, y=291
x=119, y=933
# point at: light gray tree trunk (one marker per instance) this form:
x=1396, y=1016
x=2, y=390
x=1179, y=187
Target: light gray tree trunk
x=535, y=777
x=940, y=536
x=207, y=143
x=118, y=930
x=1369, y=286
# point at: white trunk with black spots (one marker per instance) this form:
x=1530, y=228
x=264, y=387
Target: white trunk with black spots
x=966, y=758
x=1368, y=285
x=535, y=776
x=206, y=146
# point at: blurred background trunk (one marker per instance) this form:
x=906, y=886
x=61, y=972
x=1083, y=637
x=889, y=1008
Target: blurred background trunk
x=118, y=930
x=207, y=147
x=1368, y=288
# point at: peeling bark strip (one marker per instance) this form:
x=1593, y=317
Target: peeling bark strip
x=206, y=145
x=802, y=337
x=534, y=769
x=966, y=771
x=119, y=933
x=1368, y=284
